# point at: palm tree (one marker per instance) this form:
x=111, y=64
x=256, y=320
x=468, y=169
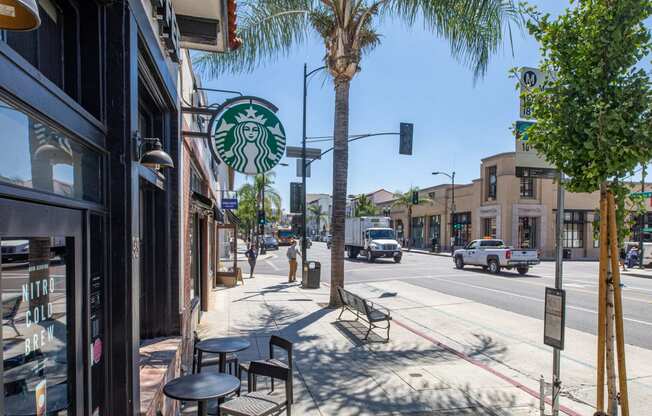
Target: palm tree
x=317, y=214
x=267, y=195
x=364, y=206
x=404, y=199
x=269, y=29
x=247, y=208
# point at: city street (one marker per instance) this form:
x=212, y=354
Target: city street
x=507, y=291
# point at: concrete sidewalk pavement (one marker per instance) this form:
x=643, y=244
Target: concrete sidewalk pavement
x=446, y=355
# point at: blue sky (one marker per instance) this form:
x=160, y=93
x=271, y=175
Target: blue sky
x=410, y=77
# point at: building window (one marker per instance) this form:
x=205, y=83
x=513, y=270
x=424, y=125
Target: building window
x=527, y=232
x=573, y=236
x=489, y=229
x=461, y=228
x=435, y=230
x=528, y=188
x=417, y=232
x=431, y=195
x=40, y=157
x=492, y=183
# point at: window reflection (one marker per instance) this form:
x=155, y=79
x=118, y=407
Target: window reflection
x=36, y=156
x=34, y=325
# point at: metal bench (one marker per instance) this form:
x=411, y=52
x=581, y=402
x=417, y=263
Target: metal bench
x=365, y=310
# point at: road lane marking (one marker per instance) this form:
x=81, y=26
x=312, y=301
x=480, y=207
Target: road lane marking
x=579, y=308
x=272, y=265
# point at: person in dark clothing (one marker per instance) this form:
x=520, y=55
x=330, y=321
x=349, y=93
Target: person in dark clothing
x=623, y=258
x=251, y=254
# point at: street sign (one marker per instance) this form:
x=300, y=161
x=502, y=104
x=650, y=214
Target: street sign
x=643, y=194
x=555, y=318
x=529, y=163
x=295, y=151
x=406, y=134
x=647, y=229
x=529, y=78
x=248, y=137
x=299, y=170
x=296, y=194
x=229, y=200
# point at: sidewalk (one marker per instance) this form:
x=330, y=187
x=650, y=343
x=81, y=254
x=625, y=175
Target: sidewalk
x=446, y=355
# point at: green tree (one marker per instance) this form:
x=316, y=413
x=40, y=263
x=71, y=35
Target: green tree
x=247, y=208
x=317, y=214
x=263, y=185
x=270, y=29
x=364, y=206
x=404, y=199
x=594, y=124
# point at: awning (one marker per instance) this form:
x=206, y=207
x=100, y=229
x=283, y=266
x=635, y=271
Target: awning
x=202, y=201
x=233, y=219
x=218, y=214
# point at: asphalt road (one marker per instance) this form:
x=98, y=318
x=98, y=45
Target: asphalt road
x=508, y=290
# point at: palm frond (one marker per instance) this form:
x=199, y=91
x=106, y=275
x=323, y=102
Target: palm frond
x=475, y=29
x=268, y=29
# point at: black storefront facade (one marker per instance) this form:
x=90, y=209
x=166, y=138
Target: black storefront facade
x=90, y=265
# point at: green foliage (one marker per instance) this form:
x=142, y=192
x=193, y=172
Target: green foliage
x=250, y=198
x=404, y=199
x=270, y=29
x=364, y=207
x=593, y=113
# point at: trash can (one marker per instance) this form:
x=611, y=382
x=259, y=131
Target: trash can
x=313, y=275
x=567, y=254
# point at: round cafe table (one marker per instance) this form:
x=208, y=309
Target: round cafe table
x=221, y=346
x=200, y=388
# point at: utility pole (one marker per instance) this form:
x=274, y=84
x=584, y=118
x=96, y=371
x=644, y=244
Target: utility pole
x=641, y=248
x=303, y=176
x=559, y=262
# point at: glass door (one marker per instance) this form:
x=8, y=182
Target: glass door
x=40, y=288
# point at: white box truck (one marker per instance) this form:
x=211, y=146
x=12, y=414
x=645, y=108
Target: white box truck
x=371, y=237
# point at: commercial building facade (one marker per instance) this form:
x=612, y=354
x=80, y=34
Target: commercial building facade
x=521, y=211
x=93, y=275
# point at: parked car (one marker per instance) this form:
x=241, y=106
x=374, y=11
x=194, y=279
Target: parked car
x=493, y=255
x=270, y=243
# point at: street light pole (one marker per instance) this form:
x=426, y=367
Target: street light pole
x=452, y=178
x=306, y=75
x=303, y=176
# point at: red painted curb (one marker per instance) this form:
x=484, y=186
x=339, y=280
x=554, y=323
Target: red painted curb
x=533, y=393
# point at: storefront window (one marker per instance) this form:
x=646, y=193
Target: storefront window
x=417, y=231
x=490, y=227
x=35, y=333
x=435, y=229
x=36, y=156
x=527, y=232
x=462, y=228
x=573, y=229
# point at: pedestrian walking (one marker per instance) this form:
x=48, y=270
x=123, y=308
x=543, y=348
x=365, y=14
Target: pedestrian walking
x=292, y=259
x=251, y=255
x=632, y=257
x=623, y=258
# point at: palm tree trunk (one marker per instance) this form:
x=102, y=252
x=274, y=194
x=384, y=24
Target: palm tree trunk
x=340, y=172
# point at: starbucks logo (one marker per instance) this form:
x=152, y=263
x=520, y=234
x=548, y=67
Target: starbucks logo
x=249, y=138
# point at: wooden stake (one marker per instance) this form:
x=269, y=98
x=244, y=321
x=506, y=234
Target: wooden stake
x=612, y=398
x=618, y=306
x=602, y=299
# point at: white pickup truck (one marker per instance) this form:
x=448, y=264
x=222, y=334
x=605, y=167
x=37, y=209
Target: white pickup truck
x=493, y=255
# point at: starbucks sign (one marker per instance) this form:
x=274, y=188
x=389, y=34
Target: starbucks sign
x=248, y=136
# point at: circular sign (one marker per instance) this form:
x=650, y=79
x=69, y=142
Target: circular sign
x=249, y=138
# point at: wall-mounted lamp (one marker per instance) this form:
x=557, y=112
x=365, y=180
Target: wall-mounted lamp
x=19, y=15
x=152, y=154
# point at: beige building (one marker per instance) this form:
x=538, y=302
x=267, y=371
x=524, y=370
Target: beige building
x=521, y=211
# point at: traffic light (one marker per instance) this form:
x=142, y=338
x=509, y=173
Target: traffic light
x=296, y=195
x=261, y=217
x=415, y=197
x=405, y=147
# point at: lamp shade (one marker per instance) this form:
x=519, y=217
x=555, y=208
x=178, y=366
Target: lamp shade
x=19, y=15
x=157, y=157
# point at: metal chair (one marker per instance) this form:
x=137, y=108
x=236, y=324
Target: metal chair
x=208, y=360
x=262, y=403
x=274, y=341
